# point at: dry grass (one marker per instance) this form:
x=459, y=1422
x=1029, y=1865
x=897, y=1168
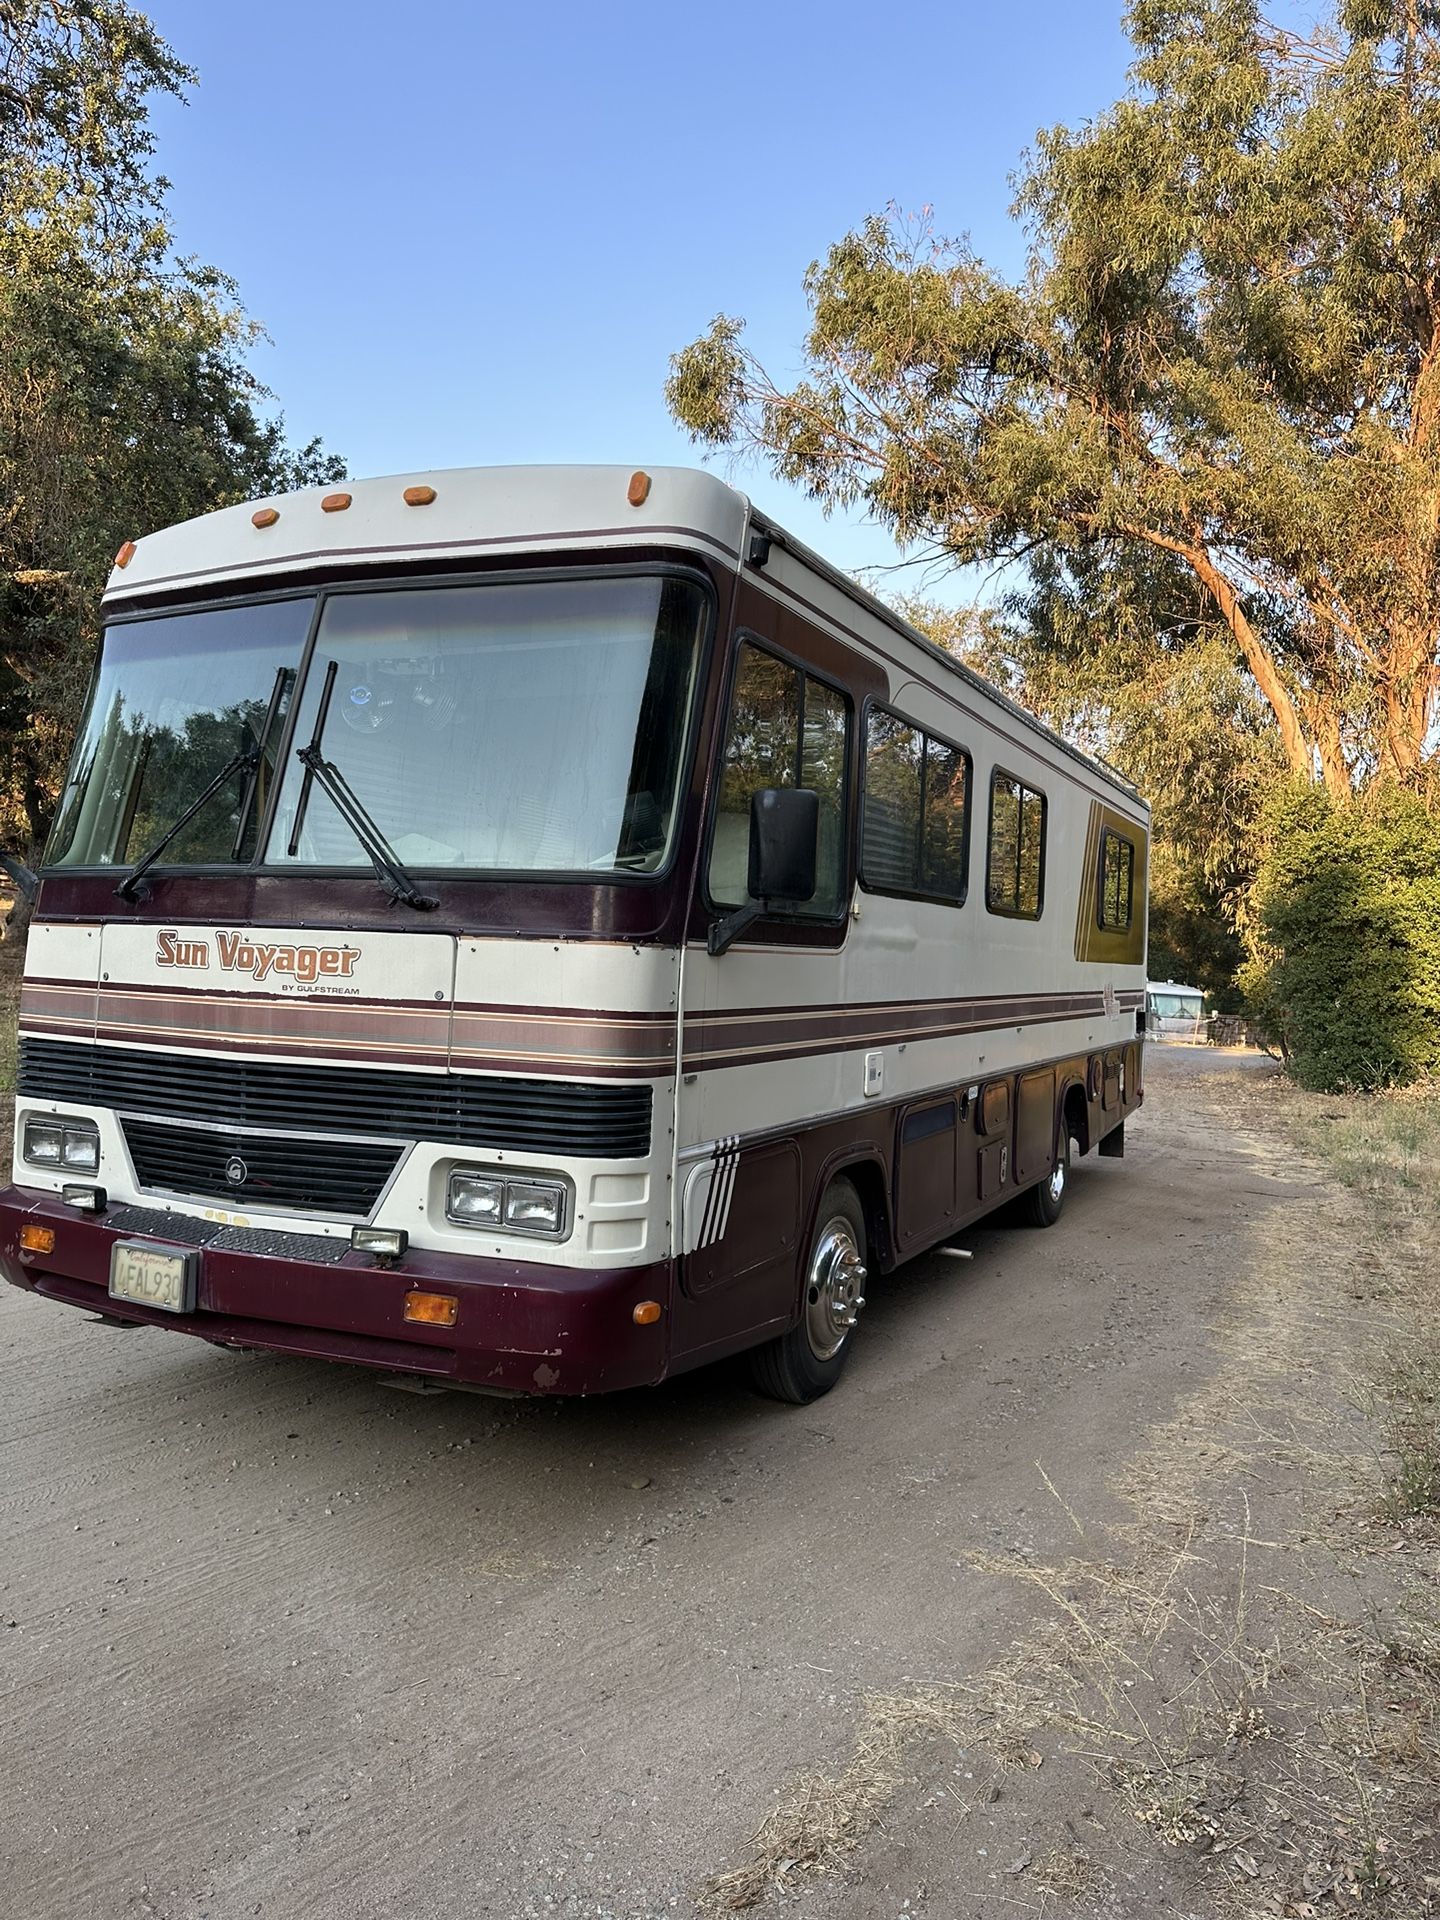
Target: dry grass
x=822, y=1818
x=1252, y=1665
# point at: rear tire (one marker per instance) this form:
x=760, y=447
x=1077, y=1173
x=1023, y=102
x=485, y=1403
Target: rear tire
x=1043, y=1205
x=808, y=1360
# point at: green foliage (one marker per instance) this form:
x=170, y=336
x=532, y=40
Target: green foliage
x=125, y=401
x=1216, y=391
x=1345, y=953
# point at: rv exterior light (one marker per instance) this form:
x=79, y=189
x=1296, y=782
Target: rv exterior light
x=264, y=517
x=125, y=555
x=431, y=1309
x=534, y=1206
x=82, y=1149
x=335, y=503
x=385, y=1243
x=646, y=1313
x=638, y=491
x=37, y=1239
x=474, y=1200
x=44, y=1143
x=85, y=1199
x=514, y=1203
x=418, y=496
x=71, y=1144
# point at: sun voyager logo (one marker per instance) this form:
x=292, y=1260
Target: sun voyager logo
x=236, y=953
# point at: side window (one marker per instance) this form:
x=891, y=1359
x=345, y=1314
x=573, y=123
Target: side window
x=1116, y=881
x=1015, y=869
x=915, y=827
x=786, y=730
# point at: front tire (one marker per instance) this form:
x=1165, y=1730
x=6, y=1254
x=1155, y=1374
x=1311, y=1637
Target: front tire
x=808, y=1360
x=1043, y=1204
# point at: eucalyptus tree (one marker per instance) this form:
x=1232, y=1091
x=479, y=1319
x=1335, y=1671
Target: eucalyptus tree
x=1219, y=376
x=125, y=400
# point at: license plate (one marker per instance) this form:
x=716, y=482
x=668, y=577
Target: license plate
x=152, y=1276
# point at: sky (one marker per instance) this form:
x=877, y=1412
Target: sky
x=475, y=233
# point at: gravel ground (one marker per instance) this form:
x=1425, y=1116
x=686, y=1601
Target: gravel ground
x=276, y=1640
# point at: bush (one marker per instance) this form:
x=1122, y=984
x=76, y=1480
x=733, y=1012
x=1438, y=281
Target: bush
x=1344, y=973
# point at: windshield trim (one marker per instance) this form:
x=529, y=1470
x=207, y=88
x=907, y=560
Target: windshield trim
x=507, y=576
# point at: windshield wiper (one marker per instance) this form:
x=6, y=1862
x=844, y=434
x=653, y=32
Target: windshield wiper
x=247, y=761
x=389, y=870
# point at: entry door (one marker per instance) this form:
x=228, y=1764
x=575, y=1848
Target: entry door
x=760, y=1062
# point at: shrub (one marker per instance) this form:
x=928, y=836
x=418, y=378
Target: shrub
x=1344, y=973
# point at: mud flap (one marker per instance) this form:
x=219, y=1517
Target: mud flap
x=1112, y=1147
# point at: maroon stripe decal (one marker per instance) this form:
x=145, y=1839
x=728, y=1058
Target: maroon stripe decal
x=736, y=1039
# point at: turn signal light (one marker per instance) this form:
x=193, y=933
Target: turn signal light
x=646, y=1314
x=264, y=517
x=37, y=1239
x=638, y=491
x=126, y=554
x=431, y=1309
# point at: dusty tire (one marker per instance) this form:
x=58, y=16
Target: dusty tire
x=1043, y=1205
x=808, y=1360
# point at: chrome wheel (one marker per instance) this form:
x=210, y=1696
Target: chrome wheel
x=832, y=1288
x=1055, y=1185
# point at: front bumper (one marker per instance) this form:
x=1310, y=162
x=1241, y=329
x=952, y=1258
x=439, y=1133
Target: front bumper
x=520, y=1328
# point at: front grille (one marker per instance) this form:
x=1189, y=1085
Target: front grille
x=320, y=1176
x=595, y=1120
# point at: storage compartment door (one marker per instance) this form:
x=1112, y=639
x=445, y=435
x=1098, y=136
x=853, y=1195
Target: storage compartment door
x=925, y=1172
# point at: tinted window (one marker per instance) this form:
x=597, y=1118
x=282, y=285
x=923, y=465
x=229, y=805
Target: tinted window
x=1117, y=881
x=1015, y=869
x=915, y=811
x=786, y=730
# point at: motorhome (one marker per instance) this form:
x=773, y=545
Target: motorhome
x=1175, y=1012
x=543, y=930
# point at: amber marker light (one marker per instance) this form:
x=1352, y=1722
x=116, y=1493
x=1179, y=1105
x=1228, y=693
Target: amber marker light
x=638, y=491
x=264, y=517
x=126, y=554
x=418, y=496
x=335, y=503
x=37, y=1239
x=431, y=1309
x=646, y=1314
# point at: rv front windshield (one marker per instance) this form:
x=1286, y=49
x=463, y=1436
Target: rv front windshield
x=516, y=727
x=175, y=700
x=533, y=726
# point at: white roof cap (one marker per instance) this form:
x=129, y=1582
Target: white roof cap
x=473, y=511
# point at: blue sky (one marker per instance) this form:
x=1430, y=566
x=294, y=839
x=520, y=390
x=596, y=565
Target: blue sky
x=476, y=233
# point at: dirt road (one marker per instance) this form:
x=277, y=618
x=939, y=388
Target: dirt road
x=275, y=1640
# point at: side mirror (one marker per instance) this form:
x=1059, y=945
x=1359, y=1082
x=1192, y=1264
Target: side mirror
x=784, y=843
x=784, y=858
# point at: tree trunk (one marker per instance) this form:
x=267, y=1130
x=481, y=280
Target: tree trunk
x=1257, y=657
x=1407, y=696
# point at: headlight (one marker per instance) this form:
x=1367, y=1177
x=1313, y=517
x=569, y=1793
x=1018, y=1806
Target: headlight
x=82, y=1150
x=44, y=1143
x=534, y=1206
x=474, y=1200
x=514, y=1205
x=71, y=1144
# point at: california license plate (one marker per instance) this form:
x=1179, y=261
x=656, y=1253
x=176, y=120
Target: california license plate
x=152, y=1276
